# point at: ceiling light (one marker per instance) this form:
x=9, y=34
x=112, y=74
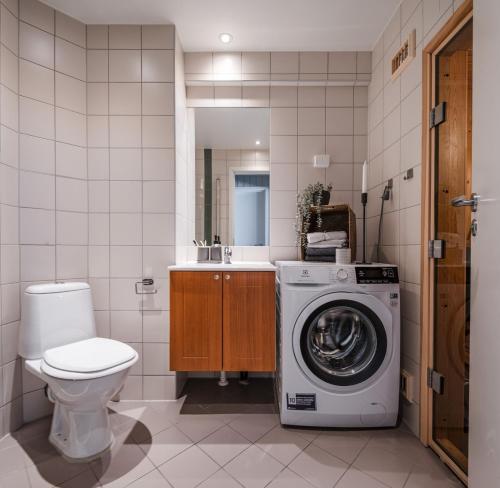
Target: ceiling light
x=257, y=142
x=225, y=38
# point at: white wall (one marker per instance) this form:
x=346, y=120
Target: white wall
x=53, y=158
x=87, y=184
x=184, y=162
x=484, y=439
x=10, y=367
x=394, y=145
x=131, y=144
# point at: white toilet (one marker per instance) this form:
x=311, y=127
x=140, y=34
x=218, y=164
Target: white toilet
x=58, y=340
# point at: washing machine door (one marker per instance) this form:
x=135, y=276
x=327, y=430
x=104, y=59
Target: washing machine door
x=343, y=340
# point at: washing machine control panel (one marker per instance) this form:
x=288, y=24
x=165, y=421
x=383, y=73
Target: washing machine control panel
x=376, y=275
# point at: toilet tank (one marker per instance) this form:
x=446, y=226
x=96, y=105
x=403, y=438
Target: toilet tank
x=54, y=314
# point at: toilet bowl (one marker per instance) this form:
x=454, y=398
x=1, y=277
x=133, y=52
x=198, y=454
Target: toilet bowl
x=83, y=372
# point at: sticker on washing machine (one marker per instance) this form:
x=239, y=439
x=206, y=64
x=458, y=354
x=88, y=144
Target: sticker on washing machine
x=301, y=401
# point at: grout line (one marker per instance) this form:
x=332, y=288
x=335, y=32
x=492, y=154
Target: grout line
x=142, y=209
x=108, y=184
x=55, y=153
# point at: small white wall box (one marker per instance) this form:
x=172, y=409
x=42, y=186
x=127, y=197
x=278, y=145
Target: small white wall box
x=321, y=160
x=404, y=56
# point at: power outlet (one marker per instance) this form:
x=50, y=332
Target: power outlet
x=406, y=385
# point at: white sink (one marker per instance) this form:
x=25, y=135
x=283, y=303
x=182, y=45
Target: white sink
x=234, y=266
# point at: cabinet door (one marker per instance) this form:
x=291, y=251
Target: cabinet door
x=249, y=321
x=195, y=321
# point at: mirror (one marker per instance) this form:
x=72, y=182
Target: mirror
x=232, y=175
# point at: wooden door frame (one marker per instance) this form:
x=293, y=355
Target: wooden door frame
x=447, y=32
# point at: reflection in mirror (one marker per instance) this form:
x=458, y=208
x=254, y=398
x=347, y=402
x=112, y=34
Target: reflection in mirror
x=232, y=175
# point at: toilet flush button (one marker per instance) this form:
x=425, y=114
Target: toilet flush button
x=342, y=274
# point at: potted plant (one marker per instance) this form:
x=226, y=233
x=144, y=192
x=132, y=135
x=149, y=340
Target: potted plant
x=312, y=195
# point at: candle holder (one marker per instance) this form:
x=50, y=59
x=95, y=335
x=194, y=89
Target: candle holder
x=364, y=201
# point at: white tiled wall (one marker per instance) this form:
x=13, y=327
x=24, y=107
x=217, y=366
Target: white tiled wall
x=53, y=190
x=131, y=164
x=10, y=366
x=86, y=184
x=184, y=162
x=276, y=66
x=394, y=145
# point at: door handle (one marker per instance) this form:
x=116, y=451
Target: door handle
x=227, y=277
x=461, y=201
x=216, y=277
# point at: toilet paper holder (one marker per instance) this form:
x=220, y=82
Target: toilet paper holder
x=145, y=282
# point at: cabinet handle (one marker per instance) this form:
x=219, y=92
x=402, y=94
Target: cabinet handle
x=227, y=277
x=216, y=277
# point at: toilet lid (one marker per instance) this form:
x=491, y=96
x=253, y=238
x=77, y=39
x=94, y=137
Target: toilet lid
x=89, y=356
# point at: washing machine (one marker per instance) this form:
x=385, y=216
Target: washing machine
x=338, y=347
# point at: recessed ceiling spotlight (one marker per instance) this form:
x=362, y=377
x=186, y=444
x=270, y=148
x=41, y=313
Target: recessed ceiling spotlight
x=225, y=37
x=257, y=142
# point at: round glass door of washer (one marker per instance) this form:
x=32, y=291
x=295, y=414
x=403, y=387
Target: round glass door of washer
x=343, y=342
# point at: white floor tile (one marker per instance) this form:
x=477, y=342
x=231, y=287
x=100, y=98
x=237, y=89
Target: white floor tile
x=54, y=471
x=165, y=445
x=400, y=441
x=345, y=445
x=284, y=445
x=18, y=478
x=318, y=467
x=357, y=479
x=18, y=456
x=287, y=479
x=308, y=434
x=197, y=427
x=151, y=480
x=223, y=445
x=385, y=466
x=189, y=468
x=220, y=480
x=86, y=479
x=435, y=477
x=125, y=464
x=254, y=468
x=150, y=434
x=254, y=426
x=152, y=417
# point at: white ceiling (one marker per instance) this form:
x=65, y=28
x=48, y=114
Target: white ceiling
x=232, y=128
x=259, y=25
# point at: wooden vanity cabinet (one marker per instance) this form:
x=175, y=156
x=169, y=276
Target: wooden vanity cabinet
x=248, y=320
x=222, y=321
x=195, y=321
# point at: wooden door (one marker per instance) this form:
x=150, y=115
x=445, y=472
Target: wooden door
x=195, y=321
x=453, y=167
x=249, y=321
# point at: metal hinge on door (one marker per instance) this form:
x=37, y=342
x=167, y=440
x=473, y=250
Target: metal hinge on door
x=437, y=115
x=435, y=381
x=436, y=248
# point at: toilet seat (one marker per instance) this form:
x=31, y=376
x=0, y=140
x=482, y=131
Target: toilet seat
x=87, y=359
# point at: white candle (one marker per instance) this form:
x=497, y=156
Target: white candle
x=364, y=182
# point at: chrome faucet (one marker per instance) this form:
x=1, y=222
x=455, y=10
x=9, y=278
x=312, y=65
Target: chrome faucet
x=227, y=255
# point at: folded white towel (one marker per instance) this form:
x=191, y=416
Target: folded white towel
x=326, y=236
x=329, y=243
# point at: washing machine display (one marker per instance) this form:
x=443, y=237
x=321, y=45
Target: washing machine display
x=343, y=342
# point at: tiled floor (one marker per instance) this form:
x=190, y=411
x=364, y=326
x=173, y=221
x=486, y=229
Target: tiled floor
x=157, y=447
